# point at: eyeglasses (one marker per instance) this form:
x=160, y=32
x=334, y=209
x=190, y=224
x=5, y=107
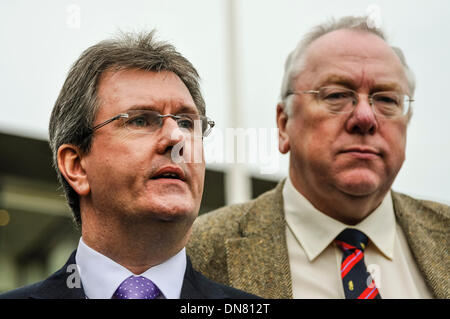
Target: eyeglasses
x=147, y=121
x=342, y=100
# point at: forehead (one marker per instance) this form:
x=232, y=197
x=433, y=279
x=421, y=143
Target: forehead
x=119, y=91
x=356, y=58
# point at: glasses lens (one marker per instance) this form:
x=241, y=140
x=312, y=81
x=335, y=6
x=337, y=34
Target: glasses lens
x=186, y=122
x=142, y=121
x=194, y=123
x=391, y=103
x=146, y=121
x=336, y=99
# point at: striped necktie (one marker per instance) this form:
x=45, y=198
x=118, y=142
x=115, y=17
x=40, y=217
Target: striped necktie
x=358, y=284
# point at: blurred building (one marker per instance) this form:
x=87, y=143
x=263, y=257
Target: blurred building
x=37, y=233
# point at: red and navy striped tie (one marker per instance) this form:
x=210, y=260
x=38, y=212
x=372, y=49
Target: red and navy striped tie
x=358, y=284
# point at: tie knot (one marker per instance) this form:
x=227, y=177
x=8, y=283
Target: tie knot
x=137, y=287
x=351, y=238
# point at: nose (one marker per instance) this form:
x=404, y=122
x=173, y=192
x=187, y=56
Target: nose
x=362, y=120
x=168, y=135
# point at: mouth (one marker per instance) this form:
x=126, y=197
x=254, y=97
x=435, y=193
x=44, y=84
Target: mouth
x=362, y=152
x=169, y=172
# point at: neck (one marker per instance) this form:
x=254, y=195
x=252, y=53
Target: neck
x=136, y=245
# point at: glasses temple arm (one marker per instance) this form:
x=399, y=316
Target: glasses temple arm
x=109, y=121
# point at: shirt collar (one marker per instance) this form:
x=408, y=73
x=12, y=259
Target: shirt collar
x=101, y=276
x=314, y=230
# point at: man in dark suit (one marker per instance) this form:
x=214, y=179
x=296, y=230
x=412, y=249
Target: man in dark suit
x=126, y=135
x=334, y=228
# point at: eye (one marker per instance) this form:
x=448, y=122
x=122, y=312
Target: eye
x=138, y=121
x=338, y=95
x=142, y=119
x=388, y=99
x=335, y=95
x=186, y=121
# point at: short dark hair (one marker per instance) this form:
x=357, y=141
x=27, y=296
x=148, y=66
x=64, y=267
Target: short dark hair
x=77, y=104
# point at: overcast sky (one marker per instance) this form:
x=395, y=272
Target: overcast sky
x=41, y=39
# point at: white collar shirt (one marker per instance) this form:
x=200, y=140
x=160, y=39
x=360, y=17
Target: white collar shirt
x=315, y=259
x=101, y=276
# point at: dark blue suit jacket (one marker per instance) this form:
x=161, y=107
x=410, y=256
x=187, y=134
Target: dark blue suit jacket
x=195, y=286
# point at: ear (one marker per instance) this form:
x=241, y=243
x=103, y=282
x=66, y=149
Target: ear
x=283, y=137
x=71, y=166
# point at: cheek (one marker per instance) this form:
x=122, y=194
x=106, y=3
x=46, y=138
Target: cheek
x=193, y=159
x=117, y=165
x=395, y=137
x=396, y=155
x=197, y=178
x=314, y=138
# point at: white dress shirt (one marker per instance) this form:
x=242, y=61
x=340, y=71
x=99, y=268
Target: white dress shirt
x=101, y=276
x=315, y=259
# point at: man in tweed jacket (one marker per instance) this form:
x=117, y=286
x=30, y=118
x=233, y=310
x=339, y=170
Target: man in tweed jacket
x=343, y=116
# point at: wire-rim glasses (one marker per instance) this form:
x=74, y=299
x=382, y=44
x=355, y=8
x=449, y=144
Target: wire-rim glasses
x=148, y=121
x=339, y=100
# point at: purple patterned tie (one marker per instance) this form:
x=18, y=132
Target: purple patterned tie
x=137, y=287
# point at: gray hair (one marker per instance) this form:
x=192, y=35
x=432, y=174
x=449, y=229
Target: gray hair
x=77, y=104
x=295, y=61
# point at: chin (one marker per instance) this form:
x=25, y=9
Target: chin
x=359, y=184
x=173, y=211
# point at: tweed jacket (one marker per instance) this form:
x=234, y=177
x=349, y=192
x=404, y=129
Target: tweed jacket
x=244, y=245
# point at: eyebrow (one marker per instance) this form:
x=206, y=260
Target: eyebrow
x=348, y=82
x=152, y=107
x=340, y=80
x=387, y=87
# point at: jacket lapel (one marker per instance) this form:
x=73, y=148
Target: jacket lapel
x=258, y=260
x=57, y=286
x=426, y=229
x=195, y=286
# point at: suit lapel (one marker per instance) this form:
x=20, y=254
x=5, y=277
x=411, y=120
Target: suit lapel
x=196, y=286
x=426, y=231
x=57, y=285
x=258, y=260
